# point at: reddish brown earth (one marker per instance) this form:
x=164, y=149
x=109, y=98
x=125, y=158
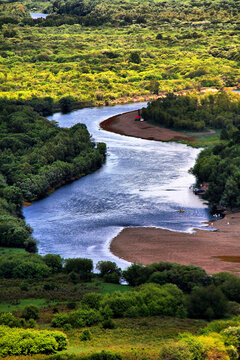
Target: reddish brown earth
x=148, y=245
x=125, y=124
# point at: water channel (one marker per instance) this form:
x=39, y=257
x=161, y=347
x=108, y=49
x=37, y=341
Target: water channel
x=143, y=183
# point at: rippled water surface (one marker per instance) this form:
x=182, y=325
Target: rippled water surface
x=143, y=183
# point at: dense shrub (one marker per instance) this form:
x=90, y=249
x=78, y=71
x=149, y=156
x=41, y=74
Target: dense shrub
x=9, y=320
x=83, y=267
x=207, y=303
x=186, y=277
x=149, y=299
x=175, y=351
x=24, y=266
x=229, y=284
x=30, y=312
x=109, y=271
x=19, y=341
x=205, y=347
x=80, y=318
x=54, y=262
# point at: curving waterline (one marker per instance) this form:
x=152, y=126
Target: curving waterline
x=143, y=183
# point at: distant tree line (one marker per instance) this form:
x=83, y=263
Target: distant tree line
x=194, y=112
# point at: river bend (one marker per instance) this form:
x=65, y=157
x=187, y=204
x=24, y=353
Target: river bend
x=143, y=183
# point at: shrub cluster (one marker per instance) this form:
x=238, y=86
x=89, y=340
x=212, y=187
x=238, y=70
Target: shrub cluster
x=23, y=342
x=195, y=112
x=147, y=300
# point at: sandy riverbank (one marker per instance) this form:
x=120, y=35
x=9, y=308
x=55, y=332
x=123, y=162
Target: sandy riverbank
x=147, y=245
x=125, y=124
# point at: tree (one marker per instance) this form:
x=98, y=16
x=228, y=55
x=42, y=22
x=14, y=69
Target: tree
x=83, y=267
x=55, y=262
x=207, y=303
x=30, y=312
x=109, y=271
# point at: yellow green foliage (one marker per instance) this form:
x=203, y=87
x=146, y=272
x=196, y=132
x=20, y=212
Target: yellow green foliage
x=15, y=341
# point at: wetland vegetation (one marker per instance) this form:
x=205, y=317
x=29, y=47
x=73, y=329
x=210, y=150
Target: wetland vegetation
x=98, y=53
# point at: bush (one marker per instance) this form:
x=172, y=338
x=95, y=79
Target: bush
x=175, y=351
x=205, y=347
x=108, y=324
x=92, y=300
x=20, y=341
x=54, y=262
x=79, y=318
x=9, y=320
x=85, y=335
x=83, y=267
x=231, y=336
x=109, y=271
x=207, y=303
x=30, y=312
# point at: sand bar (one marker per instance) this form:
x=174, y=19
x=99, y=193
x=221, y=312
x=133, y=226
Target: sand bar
x=147, y=245
x=125, y=124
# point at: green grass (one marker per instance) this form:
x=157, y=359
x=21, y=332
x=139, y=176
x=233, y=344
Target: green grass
x=10, y=307
x=107, y=288
x=6, y=250
x=132, y=338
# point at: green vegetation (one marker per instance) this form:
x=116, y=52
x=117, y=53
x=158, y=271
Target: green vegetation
x=148, y=320
x=217, y=165
x=99, y=53
x=19, y=341
x=195, y=112
x=35, y=157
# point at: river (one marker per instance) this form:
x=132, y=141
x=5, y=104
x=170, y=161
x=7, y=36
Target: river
x=143, y=183
x=38, y=15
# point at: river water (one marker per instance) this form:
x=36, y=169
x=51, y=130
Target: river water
x=143, y=183
x=38, y=15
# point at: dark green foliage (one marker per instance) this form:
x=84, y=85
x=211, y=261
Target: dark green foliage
x=24, y=266
x=80, y=318
x=135, y=58
x=66, y=104
x=9, y=320
x=229, y=284
x=83, y=267
x=92, y=300
x=54, y=262
x=219, y=166
x=184, y=276
x=30, y=312
x=194, y=112
x=109, y=271
x=35, y=157
x=207, y=303
x=108, y=324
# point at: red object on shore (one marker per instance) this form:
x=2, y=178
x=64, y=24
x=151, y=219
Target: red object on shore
x=138, y=117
